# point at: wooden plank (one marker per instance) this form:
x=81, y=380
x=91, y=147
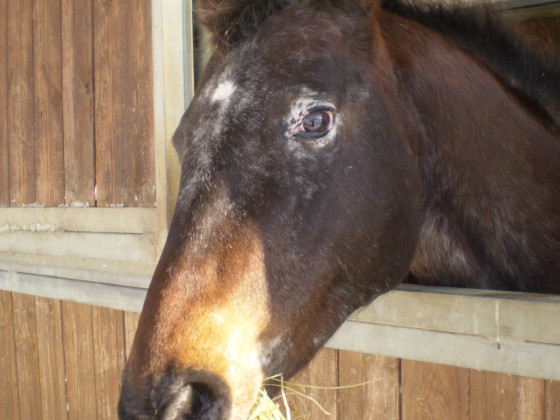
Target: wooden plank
x=48, y=131
x=434, y=391
x=123, y=108
x=476, y=312
x=8, y=378
x=20, y=98
x=140, y=93
x=506, y=397
x=108, y=345
x=380, y=398
x=67, y=219
x=106, y=295
x=484, y=353
x=130, y=325
x=321, y=372
x=4, y=151
x=78, y=93
x=173, y=74
x=552, y=403
x=51, y=358
x=102, y=246
x=78, y=357
x=27, y=360
x=119, y=273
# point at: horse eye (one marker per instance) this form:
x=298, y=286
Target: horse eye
x=317, y=122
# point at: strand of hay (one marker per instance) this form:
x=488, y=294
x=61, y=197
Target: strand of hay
x=266, y=408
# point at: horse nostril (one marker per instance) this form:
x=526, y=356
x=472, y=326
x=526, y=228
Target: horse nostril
x=192, y=395
x=193, y=401
x=186, y=395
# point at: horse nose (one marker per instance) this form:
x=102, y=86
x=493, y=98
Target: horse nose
x=186, y=396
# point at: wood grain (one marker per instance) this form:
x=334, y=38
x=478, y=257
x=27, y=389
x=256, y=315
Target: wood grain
x=20, y=98
x=125, y=169
x=505, y=397
x=4, y=150
x=51, y=358
x=47, y=108
x=27, y=359
x=108, y=355
x=434, y=391
x=321, y=372
x=130, y=325
x=78, y=95
x=78, y=357
x=380, y=398
x=552, y=400
x=8, y=376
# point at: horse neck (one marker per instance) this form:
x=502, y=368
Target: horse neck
x=489, y=166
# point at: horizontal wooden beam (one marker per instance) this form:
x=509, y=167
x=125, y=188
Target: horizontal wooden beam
x=515, y=333
x=100, y=294
x=72, y=219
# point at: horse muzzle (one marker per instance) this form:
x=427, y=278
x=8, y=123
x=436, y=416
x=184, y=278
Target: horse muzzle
x=187, y=395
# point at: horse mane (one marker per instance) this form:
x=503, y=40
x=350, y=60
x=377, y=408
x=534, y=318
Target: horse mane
x=231, y=21
x=478, y=29
x=481, y=31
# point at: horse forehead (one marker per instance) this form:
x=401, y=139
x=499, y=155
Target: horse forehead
x=224, y=90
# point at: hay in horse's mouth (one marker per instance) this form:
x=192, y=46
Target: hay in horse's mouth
x=266, y=409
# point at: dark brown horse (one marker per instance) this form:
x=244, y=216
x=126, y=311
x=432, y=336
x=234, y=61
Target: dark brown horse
x=333, y=149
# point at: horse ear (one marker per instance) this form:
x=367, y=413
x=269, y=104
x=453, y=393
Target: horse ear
x=230, y=21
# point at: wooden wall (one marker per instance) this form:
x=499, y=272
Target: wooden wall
x=62, y=360
x=76, y=116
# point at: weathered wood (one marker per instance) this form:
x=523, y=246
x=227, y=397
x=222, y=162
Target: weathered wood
x=552, y=400
x=100, y=246
x=106, y=295
x=434, y=391
x=130, y=325
x=479, y=329
x=119, y=273
x=321, y=372
x=505, y=397
x=173, y=74
x=123, y=108
x=27, y=359
x=78, y=93
x=8, y=376
x=78, y=357
x=68, y=219
x=379, y=399
x=467, y=311
x=51, y=358
x=20, y=100
x=47, y=108
x=108, y=355
x=4, y=152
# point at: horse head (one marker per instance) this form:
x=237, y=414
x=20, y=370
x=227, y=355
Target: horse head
x=299, y=202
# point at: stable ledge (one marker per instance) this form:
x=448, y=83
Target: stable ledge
x=514, y=333
x=506, y=332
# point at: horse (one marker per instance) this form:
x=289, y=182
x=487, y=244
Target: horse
x=334, y=149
